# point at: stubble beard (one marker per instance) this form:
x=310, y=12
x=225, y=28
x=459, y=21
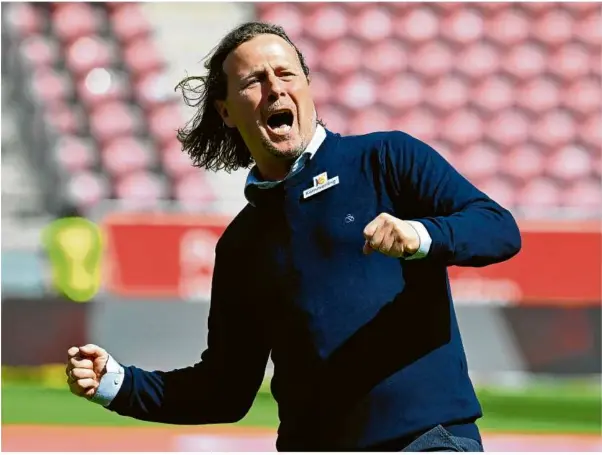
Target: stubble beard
x=290, y=154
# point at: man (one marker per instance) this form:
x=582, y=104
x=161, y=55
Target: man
x=337, y=267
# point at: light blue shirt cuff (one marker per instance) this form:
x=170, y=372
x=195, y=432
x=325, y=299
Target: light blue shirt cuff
x=109, y=384
x=425, y=240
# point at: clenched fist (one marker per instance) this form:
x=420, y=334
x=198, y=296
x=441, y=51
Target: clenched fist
x=85, y=367
x=391, y=236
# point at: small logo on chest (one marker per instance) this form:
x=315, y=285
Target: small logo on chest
x=321, y=183
x=349, y=218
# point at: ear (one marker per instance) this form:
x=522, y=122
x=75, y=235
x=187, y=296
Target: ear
x=222, y=109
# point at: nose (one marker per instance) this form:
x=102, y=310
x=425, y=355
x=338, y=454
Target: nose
x=275, y=88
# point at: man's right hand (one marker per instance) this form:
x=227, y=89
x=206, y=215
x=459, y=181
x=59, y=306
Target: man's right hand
x=85, y=367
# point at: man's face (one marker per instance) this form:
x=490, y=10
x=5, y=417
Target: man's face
x=269, y=99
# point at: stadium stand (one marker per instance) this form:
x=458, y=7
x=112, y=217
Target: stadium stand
x=95, y=83
x=509, y=93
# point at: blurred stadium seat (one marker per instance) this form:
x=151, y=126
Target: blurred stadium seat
x=113, y=119
x=88, y=52
x=40, y=51
x=75, y=20
x=141, y=188
x=511, y=90
x=127, y=154
x=75, y=153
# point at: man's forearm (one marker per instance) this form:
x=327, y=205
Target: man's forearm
x=482, y=234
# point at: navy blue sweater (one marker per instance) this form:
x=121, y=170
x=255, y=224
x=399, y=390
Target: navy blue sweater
x=366, y=349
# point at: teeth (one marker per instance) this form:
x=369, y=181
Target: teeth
x=282, y=129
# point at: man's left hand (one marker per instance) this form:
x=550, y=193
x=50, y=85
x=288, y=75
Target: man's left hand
x=391, y=236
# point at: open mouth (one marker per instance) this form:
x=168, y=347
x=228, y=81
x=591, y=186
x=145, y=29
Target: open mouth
x=281, y=122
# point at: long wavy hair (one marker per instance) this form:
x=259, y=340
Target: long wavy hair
x=207, y=140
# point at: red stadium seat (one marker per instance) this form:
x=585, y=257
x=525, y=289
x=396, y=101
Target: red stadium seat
x=175, y=161
x=524, y=161
x=384, y=58
x=40, y=51
x=553, y=28
x=143, y=57
x=192, y=191
x=335, y=118
x=114, y=119
x=569, y=62
x=125, y=155
x=420, y=123
x=464, y=26
x=508, y=27
x=49, y=86
x=368, y=120
x=372, y=24
x=448, y=93
x=287, y=15
x=310, y=53
x=401, y=92
x=418, y=25
x=75, y=153
x=569, y=163
x=583, y=95
x=479, y=161
x=100, y=85
x=477, y=60
x=462, y=128
x=141, y=189
x=89, y=52
x=538, y=95
x=154, y=89
x=585, y=195
x=75, y=20
x=588, y=29
x=327, y=23
x=130, y=23
x=164, y=122
x=554, y=129
x=357, y=91
x=86, y=188
x=321, y=88
x=525, y=61
x=23, y=19
x=493, y=93
x=590, y=131
x=540, y=193
x=432, y=59
x=341, y=57
x=501, y=190
x=64, y=119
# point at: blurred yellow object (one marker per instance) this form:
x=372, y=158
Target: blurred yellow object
x=74, y=247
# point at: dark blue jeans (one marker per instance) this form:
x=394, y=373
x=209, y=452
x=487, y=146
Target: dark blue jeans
x=440, y=440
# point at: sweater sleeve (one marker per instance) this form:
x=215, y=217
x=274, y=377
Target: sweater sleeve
x=466, y=226
x=222, y=386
